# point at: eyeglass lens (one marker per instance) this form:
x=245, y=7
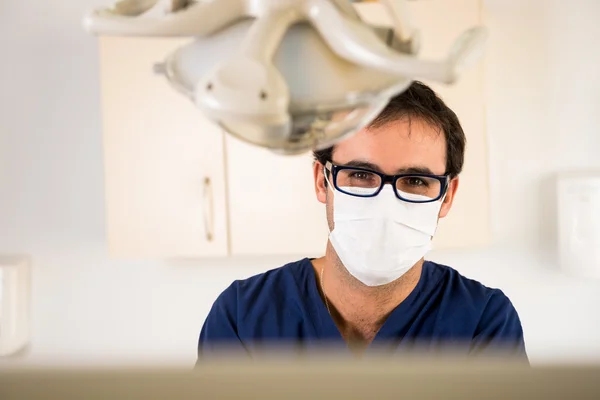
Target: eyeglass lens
x=364, y=183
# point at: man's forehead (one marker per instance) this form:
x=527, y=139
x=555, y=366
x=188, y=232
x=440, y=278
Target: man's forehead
x=396, y=146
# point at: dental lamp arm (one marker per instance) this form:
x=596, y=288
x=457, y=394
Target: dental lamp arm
x=403, y=29
x=164, y=18
x=357, y=43
x=347, y=8
x=133, y=8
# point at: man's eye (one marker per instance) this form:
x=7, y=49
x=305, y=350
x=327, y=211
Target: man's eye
x=416, y=181
x=361, y=175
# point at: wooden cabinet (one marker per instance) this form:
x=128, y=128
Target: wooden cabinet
x=273, y=208
x=177, y=186
x=164, y=163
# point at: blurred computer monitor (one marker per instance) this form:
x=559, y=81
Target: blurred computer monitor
x=309, y=379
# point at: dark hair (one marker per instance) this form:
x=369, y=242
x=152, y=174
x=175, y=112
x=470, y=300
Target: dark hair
x=420, y=101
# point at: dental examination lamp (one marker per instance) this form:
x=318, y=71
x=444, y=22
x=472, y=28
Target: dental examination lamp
x=287, y=75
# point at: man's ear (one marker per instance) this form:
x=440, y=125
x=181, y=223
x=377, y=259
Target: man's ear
x=320, y=184
x=449, y=199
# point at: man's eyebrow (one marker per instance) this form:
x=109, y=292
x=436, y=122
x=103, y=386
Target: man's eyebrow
x=363, y=164
x=416, y=169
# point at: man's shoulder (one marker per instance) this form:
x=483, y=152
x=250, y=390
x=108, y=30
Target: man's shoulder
x=276, y=282
x=495, y=323
x=468, y=292
x=264, y=306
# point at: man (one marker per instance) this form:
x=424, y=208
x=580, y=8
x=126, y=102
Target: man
x=384, y=189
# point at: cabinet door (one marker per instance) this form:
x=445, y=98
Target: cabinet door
x=164, y=163
x=272, y=203
x=440, y=22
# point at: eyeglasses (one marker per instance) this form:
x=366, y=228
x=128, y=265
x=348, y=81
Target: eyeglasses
x=413, y=188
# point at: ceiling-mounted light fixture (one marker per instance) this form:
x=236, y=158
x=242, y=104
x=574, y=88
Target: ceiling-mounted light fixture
x=288, y=75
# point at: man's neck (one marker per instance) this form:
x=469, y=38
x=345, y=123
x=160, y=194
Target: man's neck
x=359, y=311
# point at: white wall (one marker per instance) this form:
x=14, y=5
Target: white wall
x=543, y=108
x=543, y=102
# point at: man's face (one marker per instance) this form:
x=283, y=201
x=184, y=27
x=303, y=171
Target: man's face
x=398, y=147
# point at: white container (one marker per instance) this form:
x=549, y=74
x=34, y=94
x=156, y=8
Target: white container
x=578, y=201
x=15, y=288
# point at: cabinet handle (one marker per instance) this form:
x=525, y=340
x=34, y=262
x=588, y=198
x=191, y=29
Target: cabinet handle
x=209, y=215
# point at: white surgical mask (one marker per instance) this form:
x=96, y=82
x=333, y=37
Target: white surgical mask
x=378, y=239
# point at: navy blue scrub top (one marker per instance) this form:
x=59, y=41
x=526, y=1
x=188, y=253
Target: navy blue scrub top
x=283, y=306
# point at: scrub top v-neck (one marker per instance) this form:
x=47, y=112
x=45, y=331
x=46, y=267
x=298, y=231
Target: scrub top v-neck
x=283, y=308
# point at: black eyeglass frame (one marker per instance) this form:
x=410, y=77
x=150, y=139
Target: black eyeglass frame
x=392, y=179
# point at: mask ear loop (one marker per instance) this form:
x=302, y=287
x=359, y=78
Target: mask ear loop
x=327, y=179
x=442, y=199
x=329, y=185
